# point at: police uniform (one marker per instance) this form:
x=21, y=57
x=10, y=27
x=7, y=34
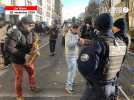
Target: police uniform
x=100, y=62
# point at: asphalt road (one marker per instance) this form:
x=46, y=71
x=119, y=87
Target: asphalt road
x=51, y=73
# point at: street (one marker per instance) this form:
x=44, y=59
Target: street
x=79, y=21
x=51, y=74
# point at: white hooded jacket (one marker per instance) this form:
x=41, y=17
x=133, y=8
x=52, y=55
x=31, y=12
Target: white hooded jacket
x=71, y=44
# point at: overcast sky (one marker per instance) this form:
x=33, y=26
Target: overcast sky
x=73, y=8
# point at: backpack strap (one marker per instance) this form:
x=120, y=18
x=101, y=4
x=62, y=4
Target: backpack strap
x=104, y=55
x=14, y=34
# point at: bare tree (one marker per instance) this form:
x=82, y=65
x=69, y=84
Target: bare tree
x=92, y=9
x=106, y=5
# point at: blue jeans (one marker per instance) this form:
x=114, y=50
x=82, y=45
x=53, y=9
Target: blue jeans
x=72, y=69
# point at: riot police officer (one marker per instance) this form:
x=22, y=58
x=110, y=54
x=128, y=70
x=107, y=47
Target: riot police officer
x=101, y=60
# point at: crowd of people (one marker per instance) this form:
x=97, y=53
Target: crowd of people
x=100, y=56
x=97, y=49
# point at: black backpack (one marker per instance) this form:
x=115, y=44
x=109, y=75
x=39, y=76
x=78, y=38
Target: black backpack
x=9, y=36
x=88, y=58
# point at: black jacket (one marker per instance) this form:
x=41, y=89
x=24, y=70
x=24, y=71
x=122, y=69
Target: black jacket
x=92, y=57
x=18, y=44
x=53, y=33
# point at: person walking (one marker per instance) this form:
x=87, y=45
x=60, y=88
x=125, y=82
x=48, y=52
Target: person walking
x=52, y=39
x=71, y=54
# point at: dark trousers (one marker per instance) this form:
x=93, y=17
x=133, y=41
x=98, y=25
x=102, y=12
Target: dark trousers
x=106, y=92
x=52, y=44
x=18, y=69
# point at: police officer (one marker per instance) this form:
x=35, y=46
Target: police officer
x=18, y=45
x=101, y=60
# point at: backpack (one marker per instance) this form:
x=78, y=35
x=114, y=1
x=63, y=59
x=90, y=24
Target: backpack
x=102, y=69
x=88, y=58
x=13, y=32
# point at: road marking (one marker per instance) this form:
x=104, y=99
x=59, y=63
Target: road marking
x=58, y=73
x=130, y=53
x=133, y=85
x=2, y=72
x=43, y=45
x=55, y=83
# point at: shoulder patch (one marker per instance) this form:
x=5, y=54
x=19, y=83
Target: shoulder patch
x=84, y=57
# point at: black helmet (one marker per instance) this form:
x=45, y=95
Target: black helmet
x=27, y=19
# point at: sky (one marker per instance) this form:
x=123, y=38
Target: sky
x=73, y=8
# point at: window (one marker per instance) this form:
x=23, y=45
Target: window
x=39, y=2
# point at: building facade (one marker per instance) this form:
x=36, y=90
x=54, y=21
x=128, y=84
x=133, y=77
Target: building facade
x=47, y=10
x=115, y=7
x=57, y=13
x=120, y=5
x=48, y=6
x=131, y=14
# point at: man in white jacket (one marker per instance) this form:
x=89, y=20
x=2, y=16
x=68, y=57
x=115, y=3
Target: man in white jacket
x=71, y=54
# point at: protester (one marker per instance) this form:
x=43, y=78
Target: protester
x=18, y=45
x=52, y=39
x=71, y=54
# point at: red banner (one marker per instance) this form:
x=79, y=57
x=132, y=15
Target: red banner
x=20, y=7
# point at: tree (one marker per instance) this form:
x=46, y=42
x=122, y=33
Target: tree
x=107, y=4
x=92, y=9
